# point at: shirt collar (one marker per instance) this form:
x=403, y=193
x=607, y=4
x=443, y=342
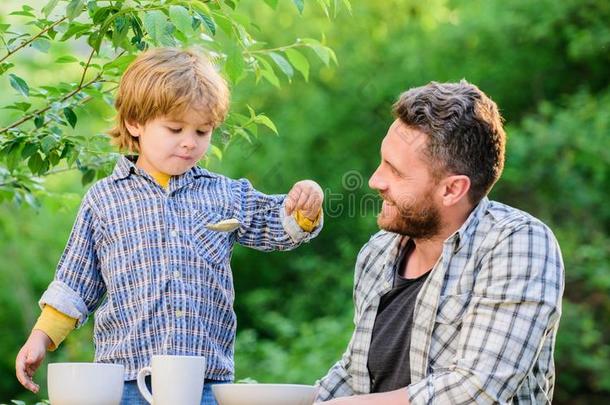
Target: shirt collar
x=460, y=237
x=126, y=166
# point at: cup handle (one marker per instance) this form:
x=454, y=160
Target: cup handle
x=145, y=371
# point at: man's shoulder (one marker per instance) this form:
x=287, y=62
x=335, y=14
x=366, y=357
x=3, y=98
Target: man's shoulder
x=376, y=249
x=381, y=240
x=504, y=220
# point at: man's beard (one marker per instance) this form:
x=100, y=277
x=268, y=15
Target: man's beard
x=418, y=220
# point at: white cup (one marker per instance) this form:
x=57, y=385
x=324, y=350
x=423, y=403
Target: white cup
x=85, y=383
x=175, y=380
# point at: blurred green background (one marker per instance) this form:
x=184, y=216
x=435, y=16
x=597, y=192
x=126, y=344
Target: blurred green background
x=546, y=63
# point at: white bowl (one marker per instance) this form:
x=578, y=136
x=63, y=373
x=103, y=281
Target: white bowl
x=85, y=383
x=264, y=394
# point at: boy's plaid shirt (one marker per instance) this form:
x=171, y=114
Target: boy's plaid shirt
x=158, y=280
x=484, y=322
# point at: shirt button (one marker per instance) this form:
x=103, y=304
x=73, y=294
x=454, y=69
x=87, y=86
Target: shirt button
x=177, y=274
x=173, y=233
x=179, y=313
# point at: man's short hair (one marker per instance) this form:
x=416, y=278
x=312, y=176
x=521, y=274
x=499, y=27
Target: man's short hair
x=464, y=128
x=167, y=82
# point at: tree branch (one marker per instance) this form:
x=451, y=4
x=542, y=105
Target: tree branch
x=34, y=38
x=42, y=110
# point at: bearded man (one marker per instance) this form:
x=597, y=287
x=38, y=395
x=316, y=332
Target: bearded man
x=457, y=298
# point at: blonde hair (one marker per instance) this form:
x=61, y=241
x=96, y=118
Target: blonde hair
x=167, y=82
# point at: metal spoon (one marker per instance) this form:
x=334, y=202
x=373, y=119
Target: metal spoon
x=231, y=224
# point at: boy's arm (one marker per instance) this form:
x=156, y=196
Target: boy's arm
x=78, y=285
x=55, y=324
x=265, y=224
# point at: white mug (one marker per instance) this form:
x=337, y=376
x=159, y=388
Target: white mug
x=85, y=383
x=175, y=380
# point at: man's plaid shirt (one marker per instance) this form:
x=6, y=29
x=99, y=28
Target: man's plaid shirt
x=484, y=322
x=158, y=280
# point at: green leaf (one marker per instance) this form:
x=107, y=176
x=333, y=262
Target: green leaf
x=181, y=18
x=224, y=23
x=39, y=121
x=19, y=84
x=300, y=5
x=76, y=30
x=5, y=67
x=324, y=53
x=234, y=66
x=21, y=106
x=157, y=26
x=29, y=149
x=88, y=176
x=121, y=29
x=215, y=150
x=23, y=13
x=266, y=121
x=66, y=59
x=74, y=9
x=36, y=163
x=209, y=22
x=42, y=44
x=48, y=8
x=272, y=3
x=49, y=142
x=283, y=64
x=299, y=62
x=53, y=158
x=267, y=72
x=271, y=77
x=70, y=116
x=120, y=63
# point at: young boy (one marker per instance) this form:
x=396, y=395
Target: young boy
x=140, y=254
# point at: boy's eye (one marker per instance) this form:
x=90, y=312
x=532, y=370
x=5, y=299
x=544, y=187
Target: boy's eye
x=174, y=130
x=203, y=133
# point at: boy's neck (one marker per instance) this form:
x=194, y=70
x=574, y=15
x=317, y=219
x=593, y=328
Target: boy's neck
x=161, y=178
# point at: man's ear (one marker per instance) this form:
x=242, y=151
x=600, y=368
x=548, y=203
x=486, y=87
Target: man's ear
x=134, y=128
x=454, y=189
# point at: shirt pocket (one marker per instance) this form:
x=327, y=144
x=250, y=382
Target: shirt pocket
x=451, y=308
x=212, y=246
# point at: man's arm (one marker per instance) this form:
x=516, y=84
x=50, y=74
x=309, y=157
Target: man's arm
x=396, y=397
x=337, y=382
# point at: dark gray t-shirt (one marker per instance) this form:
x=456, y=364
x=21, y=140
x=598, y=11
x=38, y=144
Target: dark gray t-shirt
x=388, y=361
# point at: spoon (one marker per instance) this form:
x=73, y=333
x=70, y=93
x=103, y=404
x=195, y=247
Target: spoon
x=231, y=224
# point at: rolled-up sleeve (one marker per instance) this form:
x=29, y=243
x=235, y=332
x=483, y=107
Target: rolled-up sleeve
x=516, y=305
x=78, y=285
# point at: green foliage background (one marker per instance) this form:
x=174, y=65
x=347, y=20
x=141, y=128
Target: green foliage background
x=546, y=65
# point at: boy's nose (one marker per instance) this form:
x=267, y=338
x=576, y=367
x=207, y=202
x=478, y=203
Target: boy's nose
x=189, y=143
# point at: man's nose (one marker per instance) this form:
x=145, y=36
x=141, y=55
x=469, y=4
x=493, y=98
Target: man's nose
x=376, y=181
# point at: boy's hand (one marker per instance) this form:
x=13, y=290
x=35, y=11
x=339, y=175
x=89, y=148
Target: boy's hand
x=29, y=358
x=306, y=196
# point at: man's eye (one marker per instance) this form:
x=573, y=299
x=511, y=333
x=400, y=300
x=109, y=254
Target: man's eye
x=174, y=130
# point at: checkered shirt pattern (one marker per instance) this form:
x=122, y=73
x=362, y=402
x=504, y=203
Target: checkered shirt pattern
x=158, y=280
x=485, y=320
